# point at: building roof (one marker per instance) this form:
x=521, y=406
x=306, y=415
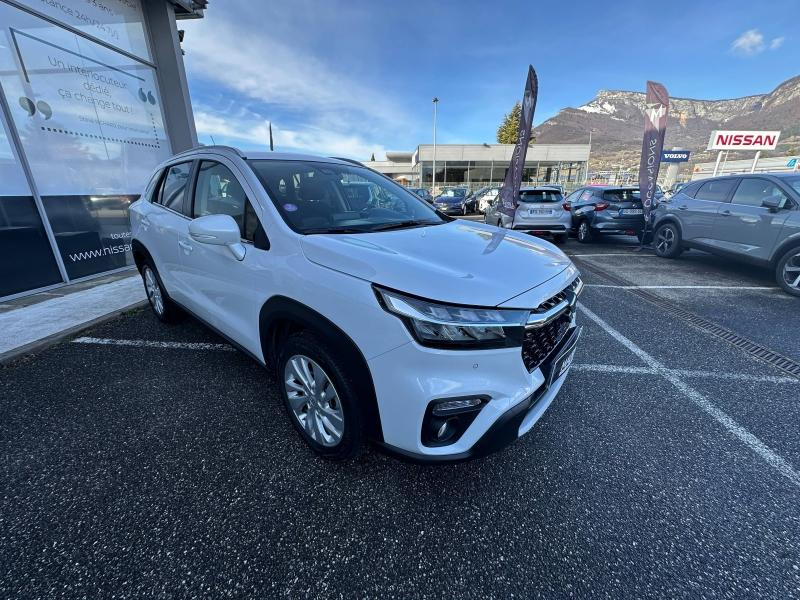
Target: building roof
x=503, y=152
x=189, y=9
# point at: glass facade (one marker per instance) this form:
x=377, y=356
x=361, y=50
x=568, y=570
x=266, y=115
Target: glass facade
x=475, y=173
x=87, y=120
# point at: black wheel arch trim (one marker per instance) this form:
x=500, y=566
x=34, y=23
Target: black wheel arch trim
x=281, y=311
x=788, y=244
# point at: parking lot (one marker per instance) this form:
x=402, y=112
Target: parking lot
x=142, y=461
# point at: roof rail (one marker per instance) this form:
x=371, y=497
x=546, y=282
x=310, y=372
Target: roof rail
x=349, y=160
x=211, y=147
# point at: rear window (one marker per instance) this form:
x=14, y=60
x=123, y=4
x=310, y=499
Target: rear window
x=621, y=196
x=540, y=196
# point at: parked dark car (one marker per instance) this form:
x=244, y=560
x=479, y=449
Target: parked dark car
x=600, y=210
x=752, y=218
x=451, y=201
x=422, y=193
x=470, y=204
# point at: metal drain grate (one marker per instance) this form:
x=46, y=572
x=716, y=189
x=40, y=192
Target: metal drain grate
x=779, y=361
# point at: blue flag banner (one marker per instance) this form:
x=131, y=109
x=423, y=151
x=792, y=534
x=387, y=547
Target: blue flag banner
x=509, y=193
x=655, y=126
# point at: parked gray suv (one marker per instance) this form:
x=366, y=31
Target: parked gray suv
x=755, y=218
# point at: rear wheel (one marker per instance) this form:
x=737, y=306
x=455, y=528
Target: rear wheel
x=320, y=397
x=667, y=241
x=163, y=307
x=787, y=272
x=585, y=234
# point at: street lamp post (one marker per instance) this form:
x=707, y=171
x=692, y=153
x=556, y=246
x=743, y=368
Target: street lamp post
x=433, y=179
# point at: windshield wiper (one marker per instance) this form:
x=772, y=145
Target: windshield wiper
x=334, y=230
x=405, y=224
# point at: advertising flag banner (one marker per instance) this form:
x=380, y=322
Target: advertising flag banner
x=509, y=193
x=655, y=126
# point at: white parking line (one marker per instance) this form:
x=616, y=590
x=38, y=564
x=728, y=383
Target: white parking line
x=751, y=441
x=152, y=344
x=682, y=287
x=631, y=253
x=686, y=373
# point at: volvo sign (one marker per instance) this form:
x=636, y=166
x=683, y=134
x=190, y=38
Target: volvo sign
x=675, y=156
x=743, y=140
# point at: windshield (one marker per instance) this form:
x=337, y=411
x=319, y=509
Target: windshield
x=540, y=196
x=455, y=193
x=319, y=197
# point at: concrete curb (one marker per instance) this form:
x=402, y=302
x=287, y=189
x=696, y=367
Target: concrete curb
x=51, y=340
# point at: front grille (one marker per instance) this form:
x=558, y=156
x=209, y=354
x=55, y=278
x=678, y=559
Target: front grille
x=540, y=342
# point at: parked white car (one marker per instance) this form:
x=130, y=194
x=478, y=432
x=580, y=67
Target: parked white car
x=438, y=339
x=541, y=209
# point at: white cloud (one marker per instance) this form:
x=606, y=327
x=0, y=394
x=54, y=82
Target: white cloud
x=776, y=43
x=250, y=131
x=749, y=43
x=339, y=113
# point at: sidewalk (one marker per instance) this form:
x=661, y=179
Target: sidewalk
x=33, y=322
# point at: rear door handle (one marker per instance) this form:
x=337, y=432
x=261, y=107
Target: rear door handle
x=727, y=213
x=682, y=207
x=187, y=247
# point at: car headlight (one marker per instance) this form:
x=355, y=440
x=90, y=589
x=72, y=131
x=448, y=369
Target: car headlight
x=462, y=327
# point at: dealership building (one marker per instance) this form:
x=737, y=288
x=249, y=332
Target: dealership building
x=93, y=96
x=476, y=165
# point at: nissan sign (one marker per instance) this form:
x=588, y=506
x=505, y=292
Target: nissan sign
x=743, y=140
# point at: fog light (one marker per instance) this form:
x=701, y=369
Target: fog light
x=452, y=407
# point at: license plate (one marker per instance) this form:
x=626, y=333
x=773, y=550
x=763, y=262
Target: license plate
x=539, y=212
x=564, y=359
x=631, y=211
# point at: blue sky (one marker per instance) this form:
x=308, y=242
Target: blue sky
x=353, y=77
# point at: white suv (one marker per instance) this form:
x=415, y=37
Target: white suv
x=384, y=320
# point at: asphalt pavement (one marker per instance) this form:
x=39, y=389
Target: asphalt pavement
x=152, y=461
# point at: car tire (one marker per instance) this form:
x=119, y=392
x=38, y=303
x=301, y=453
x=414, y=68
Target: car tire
x=787, y=272
x=464, y=210
x=328, y=420
x=667, y=241
x=585, y=233
x=559, y=238
x=162, y=305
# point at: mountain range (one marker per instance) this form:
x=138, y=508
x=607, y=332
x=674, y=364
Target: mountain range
x=616, y=120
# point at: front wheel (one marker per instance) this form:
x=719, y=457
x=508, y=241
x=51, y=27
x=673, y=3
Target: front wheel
x=787, y=272
x=320, y=397
x=163, y=307
x=464, y=210
x=667, y=241
x=585, y=234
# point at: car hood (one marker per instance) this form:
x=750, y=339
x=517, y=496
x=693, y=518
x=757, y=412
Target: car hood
x=458, y=262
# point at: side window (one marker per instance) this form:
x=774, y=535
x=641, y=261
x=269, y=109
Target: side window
x=218, y=192
x=173, y=186
x=753, y=192
x=716, y=190
x=691, y=189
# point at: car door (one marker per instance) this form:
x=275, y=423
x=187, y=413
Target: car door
x=221, y=287
x=744, y=225
x=697, y=214
x=165, y=223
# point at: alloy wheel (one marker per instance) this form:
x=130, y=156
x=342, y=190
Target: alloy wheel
x=665, y=240
x=153, y=290
x=583, y=231
x=791, y=271
x=313, y=400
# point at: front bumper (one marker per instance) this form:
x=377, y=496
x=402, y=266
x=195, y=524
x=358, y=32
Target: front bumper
x=518, y=398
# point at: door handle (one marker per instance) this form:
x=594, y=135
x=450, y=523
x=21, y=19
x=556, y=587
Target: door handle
x=727, y=213
x=682, y=207
x=187, y=247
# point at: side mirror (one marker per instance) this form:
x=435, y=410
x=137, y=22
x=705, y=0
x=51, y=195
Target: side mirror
x=218, y=230
x=773, y=203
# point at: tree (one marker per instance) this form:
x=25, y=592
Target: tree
x=373, y=157
x=509, y=128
